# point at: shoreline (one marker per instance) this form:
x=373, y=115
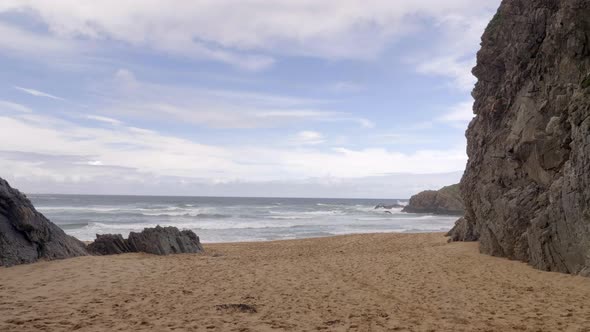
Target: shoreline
x=368, y=282
x=443, y=233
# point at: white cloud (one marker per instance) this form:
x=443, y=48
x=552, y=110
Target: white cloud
x=308, y=137
x=14, y=106
x=133, y=97
x=246, y=34
x=142, y=154
x=454, y=54
x=21, y=42
x=117, y=181
x=459, y=114
x=451, y=66
x=38, y=93
x=104, y=119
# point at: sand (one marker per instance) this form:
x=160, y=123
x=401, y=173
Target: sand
x=376, y=282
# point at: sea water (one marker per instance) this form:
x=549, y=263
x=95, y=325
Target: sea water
x=232, y=219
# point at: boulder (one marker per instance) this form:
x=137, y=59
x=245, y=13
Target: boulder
x=157, y=240
x=164, y=241
x=26, y=236
x=446, y=201
x=109, y=244
x=526, y=184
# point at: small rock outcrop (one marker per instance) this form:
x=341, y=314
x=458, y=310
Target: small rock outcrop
x=388, y=206
x=165, y=241
x=446, y=201
x=109, y=244
x=158, y=241
x=527, y=183
x=26, y=236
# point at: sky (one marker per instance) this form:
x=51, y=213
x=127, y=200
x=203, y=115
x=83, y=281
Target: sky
x=304, y=98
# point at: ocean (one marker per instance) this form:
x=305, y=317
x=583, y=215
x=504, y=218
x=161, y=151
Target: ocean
x=232, y=219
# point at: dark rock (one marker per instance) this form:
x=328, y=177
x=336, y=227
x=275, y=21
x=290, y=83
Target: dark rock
x=526, y=185
x=27, y=236
x=446, y=201
x=158, y=240
x=109, y=244
x=237, y=307
x=389, y=206
x=462, y=231
x=164, y=241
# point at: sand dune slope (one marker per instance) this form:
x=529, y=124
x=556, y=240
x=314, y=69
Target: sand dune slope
x=381, y=282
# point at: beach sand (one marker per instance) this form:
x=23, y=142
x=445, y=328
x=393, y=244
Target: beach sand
x=376, y=282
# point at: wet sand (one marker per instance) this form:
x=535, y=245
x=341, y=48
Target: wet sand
x=375, y=282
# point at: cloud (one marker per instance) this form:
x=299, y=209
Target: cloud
x=247, y=35
x=460, y=114
x=141, y=154
x=38, y=93
x=215, y=108
x=308, y=137
x=118, y=182
x=18, y=42
x=104, y=119
x=14, y=106
x=454, y=54
x=459, y=70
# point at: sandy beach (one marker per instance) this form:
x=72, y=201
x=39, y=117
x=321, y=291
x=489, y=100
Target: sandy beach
x=376, y=282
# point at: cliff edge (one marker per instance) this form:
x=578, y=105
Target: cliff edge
x=527, y=183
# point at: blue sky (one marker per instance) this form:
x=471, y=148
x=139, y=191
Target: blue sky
x=259, y=98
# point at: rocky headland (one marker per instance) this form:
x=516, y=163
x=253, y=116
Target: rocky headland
x=445, y=201
x=526, y=186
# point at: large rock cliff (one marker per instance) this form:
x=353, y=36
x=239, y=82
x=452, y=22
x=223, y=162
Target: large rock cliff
x=446, y=200
x=26, y=235
x=527, y=182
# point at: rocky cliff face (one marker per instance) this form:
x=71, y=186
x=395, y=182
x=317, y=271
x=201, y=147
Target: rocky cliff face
x=447, y=200
x=527, y=182
x=26, y=235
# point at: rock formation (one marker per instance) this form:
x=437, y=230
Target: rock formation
x=165, y=241
x=446, y=201
x=462, y=231
x=158, y=241
x=388, y=206
x=109, y=244
x=26, y=235
x=527, y=183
